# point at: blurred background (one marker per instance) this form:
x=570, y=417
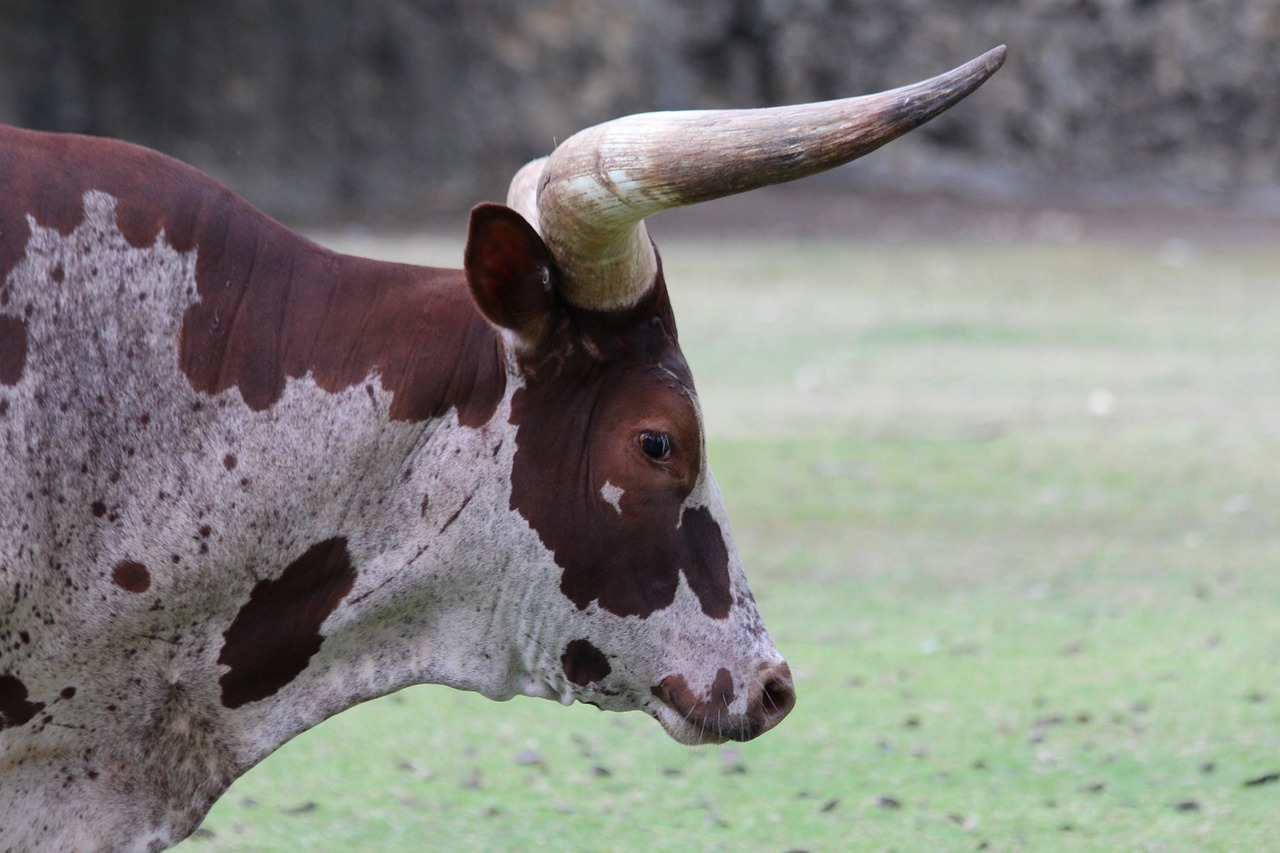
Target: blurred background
x=398, y=110
x=995, y=410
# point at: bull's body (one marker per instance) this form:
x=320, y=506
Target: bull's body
x=249, y=483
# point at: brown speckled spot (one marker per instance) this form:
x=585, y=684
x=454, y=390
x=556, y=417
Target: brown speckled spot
x=13, y=349
x=583, y=663
x=15, y=710
x=131, y=576
x=278, y=629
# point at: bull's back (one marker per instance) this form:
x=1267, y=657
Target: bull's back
x=185, y=388
x=151, y=321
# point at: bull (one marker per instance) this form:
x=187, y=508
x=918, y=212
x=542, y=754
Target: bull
x=250, y=482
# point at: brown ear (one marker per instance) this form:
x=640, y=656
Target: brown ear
x=509, y=271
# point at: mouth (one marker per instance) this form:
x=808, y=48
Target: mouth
x=686, y=731
x=710, y=719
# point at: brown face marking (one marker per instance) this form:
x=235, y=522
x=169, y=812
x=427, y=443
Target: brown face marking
x=579, y=419
x=272, y=305
x=13, y=349
x=15, y=710
x=703, y=537
x=710, y=711
x=131, y=576
x=278, y=630
x=583, y=663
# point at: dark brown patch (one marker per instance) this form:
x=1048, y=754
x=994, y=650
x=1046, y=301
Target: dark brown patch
x=579, y=417
x=278, y=630
x=46, y=176
x=709, y=712
x=229, y=462
x=272, y=305
x=98, y=508
x=13, y=349
x=131, y=576
x=583, y=663
x=675, y=691
x=704, y=543
x=721, y=689
x=15, y=710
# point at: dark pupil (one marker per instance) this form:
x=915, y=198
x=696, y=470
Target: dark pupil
x=656, y=444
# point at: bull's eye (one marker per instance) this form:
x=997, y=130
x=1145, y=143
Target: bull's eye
x=656, y=445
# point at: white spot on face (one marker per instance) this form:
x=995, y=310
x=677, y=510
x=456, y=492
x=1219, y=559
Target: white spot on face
x=612, y=496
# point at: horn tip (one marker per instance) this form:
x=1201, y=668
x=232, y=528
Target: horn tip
x=977, y=71
x=988, y=63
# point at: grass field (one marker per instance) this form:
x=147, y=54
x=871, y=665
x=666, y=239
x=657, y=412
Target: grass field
x=1012, y=511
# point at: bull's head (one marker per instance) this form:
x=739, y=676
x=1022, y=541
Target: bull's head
x=610, y=468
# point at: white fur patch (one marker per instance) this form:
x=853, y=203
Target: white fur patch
x=612, y=495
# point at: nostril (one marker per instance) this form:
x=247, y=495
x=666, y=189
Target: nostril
x=777, y=695
x=778, y=698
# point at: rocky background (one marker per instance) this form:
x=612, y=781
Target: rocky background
x=389, y=110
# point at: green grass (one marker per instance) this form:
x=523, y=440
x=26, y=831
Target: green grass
x=1011, y=513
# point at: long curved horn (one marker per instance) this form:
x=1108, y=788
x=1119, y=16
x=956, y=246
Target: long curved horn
x=595, y=190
